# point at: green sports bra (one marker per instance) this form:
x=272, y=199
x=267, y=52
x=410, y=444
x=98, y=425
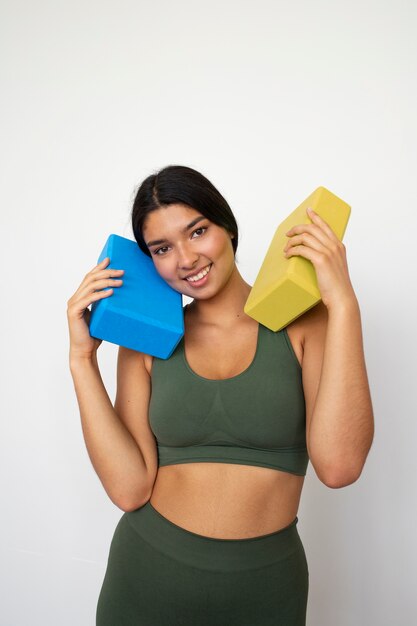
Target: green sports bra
x=254, y=418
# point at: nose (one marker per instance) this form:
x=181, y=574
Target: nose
x=187, y=259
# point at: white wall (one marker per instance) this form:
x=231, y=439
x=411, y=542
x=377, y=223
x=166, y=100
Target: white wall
x=269, y=100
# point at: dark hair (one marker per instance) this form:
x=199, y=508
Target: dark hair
x=177, y=184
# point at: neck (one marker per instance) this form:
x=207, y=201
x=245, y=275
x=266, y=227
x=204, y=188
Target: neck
x=225, y=308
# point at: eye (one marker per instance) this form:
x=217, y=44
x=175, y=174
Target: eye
x=157, y=251
x=201, y=228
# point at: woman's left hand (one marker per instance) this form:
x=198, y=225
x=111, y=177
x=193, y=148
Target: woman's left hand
x=318, y=243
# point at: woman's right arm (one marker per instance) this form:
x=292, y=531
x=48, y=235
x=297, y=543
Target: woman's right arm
x=119, y=441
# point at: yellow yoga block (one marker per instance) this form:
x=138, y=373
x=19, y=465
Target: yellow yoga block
x=285, y=288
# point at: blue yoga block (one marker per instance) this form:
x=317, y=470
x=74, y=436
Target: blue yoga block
x=144, y=313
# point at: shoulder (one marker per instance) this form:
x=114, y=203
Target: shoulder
x=307, y=330
x=148, y=361
x=128, y=358
x=314, y=322
x=314, y=328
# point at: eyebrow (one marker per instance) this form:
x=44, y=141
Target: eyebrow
x=184, y=230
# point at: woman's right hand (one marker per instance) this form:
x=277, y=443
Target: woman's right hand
x=82, y=344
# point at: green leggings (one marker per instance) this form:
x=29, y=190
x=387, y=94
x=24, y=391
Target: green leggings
x=160, y=574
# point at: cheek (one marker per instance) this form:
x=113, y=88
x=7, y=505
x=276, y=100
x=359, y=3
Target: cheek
x=219, y=246
x=227, y=249
x=164, y=269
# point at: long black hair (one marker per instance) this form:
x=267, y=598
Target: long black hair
x=178, y=184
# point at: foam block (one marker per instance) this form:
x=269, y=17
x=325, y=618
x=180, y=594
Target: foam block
x=144, y=313
x=285, y=288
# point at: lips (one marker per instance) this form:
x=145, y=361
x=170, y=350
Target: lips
x=196, y=273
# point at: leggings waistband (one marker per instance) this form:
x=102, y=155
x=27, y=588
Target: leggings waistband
x=211, y=552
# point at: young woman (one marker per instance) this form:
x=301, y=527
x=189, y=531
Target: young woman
x=206, y=451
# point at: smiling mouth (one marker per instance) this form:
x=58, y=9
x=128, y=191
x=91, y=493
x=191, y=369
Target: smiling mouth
x=200, y=275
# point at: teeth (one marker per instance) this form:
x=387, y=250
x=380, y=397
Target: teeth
x=200, y=275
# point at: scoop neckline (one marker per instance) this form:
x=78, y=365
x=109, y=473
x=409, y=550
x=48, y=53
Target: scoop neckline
x=222, y=380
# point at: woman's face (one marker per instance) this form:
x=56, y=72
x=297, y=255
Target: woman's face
x=182, y=242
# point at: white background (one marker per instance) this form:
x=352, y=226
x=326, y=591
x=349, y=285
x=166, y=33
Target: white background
x=269, y=100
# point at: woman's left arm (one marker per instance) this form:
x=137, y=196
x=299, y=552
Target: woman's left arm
x=339, y=414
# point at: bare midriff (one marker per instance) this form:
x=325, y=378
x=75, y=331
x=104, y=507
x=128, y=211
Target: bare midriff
x=226, y=501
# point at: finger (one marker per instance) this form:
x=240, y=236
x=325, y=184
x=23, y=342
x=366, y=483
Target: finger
x=98, y=285
x=92, y=282
x=307, y=239
x=76, y=308
x=100, y=265
x=91, y=286
x=98, y=273
x=316, y=219
x=313, y=229
x=312, y=255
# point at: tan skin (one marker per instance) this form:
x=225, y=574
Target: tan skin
x=217, y=500
x=223, y=500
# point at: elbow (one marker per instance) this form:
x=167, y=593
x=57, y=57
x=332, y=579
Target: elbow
x=341, y=471
x=127, y=506
x=339, y=480
x=130, y=502
x=338, y=477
